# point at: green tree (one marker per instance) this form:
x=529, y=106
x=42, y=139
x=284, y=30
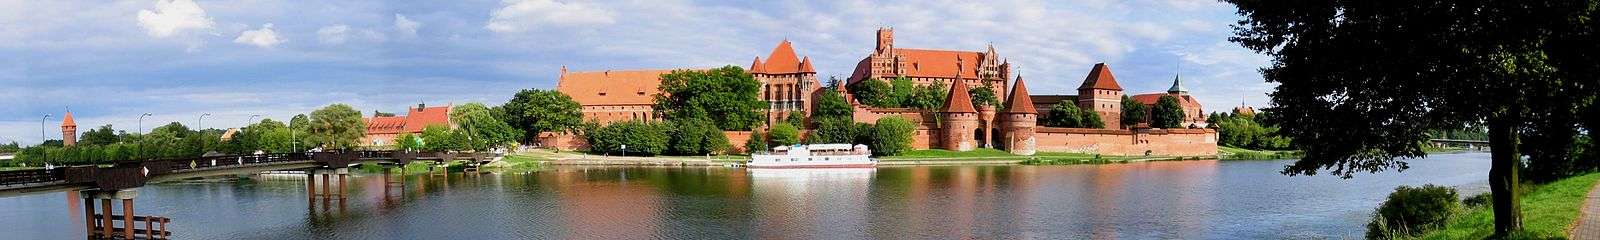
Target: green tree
x=481, y=129
x=726, y=94
x=695, y=137
x=1167, y=113
x=874, y=92
x=892, y=135
x=982, y=96
x=640, y=138
x=784, y=134
x=1133, y=112
x=831, y=105
x=928, y=97
x=1064, y=114
x=1354, y=100
x=1091, y=119
x=439, y=138
x=538, y=111
x=337, y=126
x=407, y=142
x=833, y=130
x=796, y=118
x=756, y=143
x=901, y=90
x=102, y=135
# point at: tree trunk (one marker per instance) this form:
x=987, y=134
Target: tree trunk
x=1504, y=162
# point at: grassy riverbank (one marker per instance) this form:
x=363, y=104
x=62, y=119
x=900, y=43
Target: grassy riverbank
x=1232, y=153
x=1547, y=212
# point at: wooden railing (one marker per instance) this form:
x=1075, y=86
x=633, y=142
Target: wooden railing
x=154, y=227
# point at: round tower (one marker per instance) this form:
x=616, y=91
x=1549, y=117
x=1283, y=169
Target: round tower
x=960, y=123
x=1020, y=119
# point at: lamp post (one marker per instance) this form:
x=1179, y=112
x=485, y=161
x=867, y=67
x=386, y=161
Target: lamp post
x=200, y=124
x=141, y=123
x=252, y=119
x=43, y=128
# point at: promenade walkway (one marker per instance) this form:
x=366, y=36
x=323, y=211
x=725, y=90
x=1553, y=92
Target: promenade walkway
x=1588, y=225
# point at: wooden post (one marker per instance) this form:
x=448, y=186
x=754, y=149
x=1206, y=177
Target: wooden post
x=149, y=227
x=105, y=228
x=88, y=214
x=341, y=186
x=311, y=189
x=127, y=218
x=325, y=191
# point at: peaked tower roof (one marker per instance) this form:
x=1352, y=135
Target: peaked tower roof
x=757, y=67
x=959, y=100
x=1020, y=101
x=805, y=65
x=782, y=60
x=1100, y=78
x=66, y=121
x=1177, y=86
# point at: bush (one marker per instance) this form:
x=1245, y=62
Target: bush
x=784, y=134
x=696, y=137
x=1482, y=199
x=1411, y=210
x=640, y=138
x=891, y=136
x=757, y=142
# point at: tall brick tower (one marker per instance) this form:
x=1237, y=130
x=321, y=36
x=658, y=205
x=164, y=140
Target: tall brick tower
x=1101, y=93
x=1020, y=119
x=69, y=130
x=960, y=120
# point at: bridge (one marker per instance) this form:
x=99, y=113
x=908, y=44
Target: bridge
x=120, y=181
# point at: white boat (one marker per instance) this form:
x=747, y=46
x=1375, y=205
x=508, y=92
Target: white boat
x=814, y=156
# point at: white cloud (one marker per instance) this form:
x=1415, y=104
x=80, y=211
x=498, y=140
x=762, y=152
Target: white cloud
x=333, y=35
x=173, y=16
x=264, y=37
x=523, y=15
x=406, y=26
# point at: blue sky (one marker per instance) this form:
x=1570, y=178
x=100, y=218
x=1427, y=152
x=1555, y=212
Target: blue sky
x=110, y=61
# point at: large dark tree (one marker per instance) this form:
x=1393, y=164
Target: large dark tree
x=537, y=111
x=100, y=136
x=726, y=94
x=1362, y=81
x=337, y=126
x=1133, y=112
x=1167, y=113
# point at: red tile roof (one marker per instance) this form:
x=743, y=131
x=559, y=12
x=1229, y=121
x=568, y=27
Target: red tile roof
x=757, y=67
x=959, y=101
x=66, y=121
x=805, y=65
x=413, y=122
x=783, y=60
x=1100, y=78
x=939, y=63
x=1188, y=102
x=1020, y=101
x=620, y=87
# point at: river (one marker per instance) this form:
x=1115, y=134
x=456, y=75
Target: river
x=1150, y=200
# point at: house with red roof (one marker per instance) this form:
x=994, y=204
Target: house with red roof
x=382, y=130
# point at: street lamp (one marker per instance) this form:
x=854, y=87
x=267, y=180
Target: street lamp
x=141, y=123
x=43, y=129
x=252, y=119
x=200, y=124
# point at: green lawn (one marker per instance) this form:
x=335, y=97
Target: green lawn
x=1232, y=153
x=1547, y=212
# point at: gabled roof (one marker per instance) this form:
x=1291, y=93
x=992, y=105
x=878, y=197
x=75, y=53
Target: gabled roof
x=959, y=101
x=1020, y=101
x=1100, y=78
x=939, y=63
x=66, y=121
x=385, y=125
x=620, y=87
x=418, y=118
x=1188, y=102
x=783, y=60
x=757, y=67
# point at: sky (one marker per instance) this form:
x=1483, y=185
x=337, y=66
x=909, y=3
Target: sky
x=111, y=61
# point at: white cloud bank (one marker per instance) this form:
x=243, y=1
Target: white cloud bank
x=263, y=38
x=523, y=15
x=174, y=16
x=333, y=35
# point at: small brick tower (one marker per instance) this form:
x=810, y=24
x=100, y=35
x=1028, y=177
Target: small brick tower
x=1020, y=119
x=960, y=120
x=1101, y=94
x=69, y=130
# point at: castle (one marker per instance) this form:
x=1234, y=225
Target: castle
x=789, y=84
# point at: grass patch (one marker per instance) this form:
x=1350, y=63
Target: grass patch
x=1232, y=153
x=1547, y=212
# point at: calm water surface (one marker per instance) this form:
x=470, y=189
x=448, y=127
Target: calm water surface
x=1157, y=200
